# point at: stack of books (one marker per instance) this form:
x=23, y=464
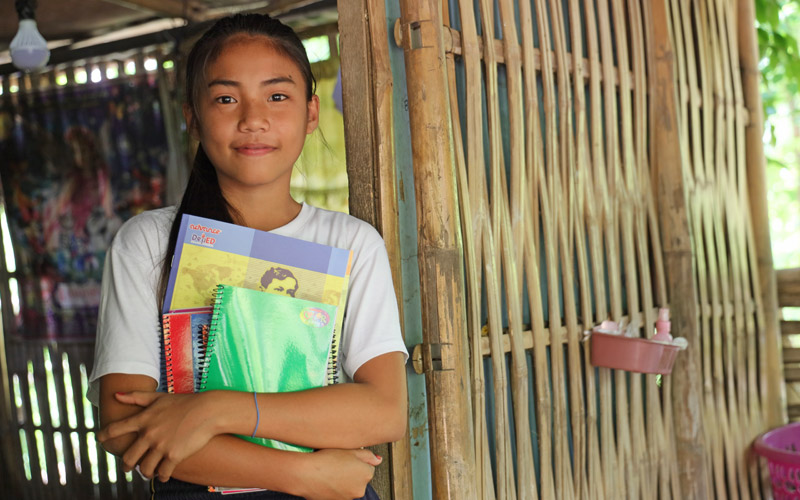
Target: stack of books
x=252, y=311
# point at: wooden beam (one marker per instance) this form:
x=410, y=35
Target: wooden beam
x=767, y=299
x=791, y=355
x=788, y=287
x=791, y=373
x=191, y=9
x=668, y=167
x=794, y=411
x=440, y=253
x=369, y=138
x=790, y=328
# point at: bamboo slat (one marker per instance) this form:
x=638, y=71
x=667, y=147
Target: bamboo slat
x=588, y=480
x=534, y=161
x=757, y=230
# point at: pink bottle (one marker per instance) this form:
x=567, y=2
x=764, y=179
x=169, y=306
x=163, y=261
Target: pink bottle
x=663, y=326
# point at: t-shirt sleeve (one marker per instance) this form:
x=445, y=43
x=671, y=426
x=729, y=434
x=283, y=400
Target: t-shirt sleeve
x=371, y=321
x=127, y=326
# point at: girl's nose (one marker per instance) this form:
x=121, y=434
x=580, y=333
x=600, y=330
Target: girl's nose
x=254, y=118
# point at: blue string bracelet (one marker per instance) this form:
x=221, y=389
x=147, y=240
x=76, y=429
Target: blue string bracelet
x=258, y=415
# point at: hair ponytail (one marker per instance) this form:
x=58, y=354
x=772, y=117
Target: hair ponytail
x=202, y=197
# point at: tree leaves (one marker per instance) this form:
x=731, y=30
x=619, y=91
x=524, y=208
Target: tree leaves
x=778, y=29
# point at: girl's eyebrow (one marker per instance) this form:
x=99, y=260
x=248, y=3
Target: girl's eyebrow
x=265, y=83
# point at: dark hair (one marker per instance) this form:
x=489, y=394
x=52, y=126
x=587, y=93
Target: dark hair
x=203, y=196
x=279, y=273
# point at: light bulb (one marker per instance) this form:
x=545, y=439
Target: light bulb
x=28, y=48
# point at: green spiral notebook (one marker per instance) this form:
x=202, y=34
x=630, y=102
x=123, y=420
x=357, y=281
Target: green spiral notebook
x=264, y=342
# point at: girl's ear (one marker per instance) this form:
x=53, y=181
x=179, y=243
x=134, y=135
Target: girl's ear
x=191, y=124
x=313, y=114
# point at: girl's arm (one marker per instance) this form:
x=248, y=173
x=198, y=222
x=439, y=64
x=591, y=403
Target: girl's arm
x=370, y=411
x=228, y=461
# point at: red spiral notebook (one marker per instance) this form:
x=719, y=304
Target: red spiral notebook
x=185, y=336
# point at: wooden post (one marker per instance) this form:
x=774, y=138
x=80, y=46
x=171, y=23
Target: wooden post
x=368, y=118
x=439, y=252
x=679, y=263
x=774, y=403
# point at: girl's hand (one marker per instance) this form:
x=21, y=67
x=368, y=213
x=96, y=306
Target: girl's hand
x=170, y=428
x=338, y=474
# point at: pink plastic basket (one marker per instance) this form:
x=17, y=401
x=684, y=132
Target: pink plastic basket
x=632, y=354
x=781, y=448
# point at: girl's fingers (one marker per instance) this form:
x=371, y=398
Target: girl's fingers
x=133, y=455
x=148, y=465
x=117, y=429
x=138, y=398
x=165, y=469
x=368, y=457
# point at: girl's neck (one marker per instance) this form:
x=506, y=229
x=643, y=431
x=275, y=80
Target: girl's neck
x=265, y=212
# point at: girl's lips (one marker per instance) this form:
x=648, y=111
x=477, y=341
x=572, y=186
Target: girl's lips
x=254, y=149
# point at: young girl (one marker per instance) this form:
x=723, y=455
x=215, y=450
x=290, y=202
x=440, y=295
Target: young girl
x=251, y=103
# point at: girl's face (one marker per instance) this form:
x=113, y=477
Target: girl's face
x=253, y=115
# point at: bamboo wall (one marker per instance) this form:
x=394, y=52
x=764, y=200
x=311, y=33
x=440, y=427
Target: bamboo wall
x=714, y=116
x=592, y=164
x=55, y=454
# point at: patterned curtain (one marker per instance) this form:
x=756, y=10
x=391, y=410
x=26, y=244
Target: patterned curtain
x=75, y=161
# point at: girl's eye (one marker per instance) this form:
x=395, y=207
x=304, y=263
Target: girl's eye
x=278, y=97
x=225, y=99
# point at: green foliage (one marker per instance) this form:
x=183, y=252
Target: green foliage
x=778, y=28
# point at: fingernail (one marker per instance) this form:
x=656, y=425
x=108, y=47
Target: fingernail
x=379, y=457
x=121, y=393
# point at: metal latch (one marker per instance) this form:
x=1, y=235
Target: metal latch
x=439, y=358
x=414, y=35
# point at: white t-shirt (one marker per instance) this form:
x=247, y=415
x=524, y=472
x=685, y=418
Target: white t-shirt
x=128, y=322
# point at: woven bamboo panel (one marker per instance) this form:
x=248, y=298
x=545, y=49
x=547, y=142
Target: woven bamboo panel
x=551, y=127
x=58, y=456
x=713, y=118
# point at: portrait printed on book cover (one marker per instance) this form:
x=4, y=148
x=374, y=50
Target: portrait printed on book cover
x=279, y=280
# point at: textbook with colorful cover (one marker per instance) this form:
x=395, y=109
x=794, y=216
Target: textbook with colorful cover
x=267, y=343
x=210, y=252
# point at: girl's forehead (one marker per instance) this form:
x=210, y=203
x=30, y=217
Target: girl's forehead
x=247, y=39
x=252, y=53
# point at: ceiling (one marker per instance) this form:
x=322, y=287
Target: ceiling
x=73, y=21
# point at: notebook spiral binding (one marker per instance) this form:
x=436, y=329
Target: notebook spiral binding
x=201, y=355
x=333, y=360
x=170, y=379
x=210, y=337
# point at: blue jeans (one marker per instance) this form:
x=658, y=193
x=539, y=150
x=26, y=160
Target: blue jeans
x=180, y=490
